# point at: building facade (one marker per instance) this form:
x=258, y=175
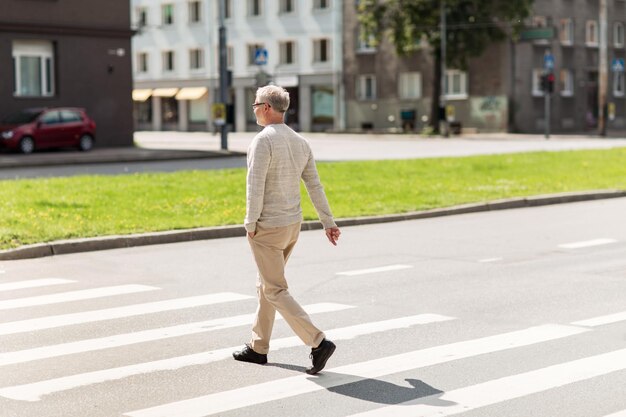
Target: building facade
x=500, y=90
x=295, y=44
x=62, y=56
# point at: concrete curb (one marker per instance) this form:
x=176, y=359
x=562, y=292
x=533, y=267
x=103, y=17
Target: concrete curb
x=61, y=247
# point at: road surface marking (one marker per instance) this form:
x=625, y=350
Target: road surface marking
x=602, y=320
x=50, y=322
x=490, y=260
x=375, y=270
x=499, y=390
x=45, y=352
x=18, y=285
x=34, y=391
x=618, y=414
x=64, y=297
x=587, y=243
x=302, y=384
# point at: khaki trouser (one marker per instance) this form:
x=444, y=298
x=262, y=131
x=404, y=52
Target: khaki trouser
x=271, y=248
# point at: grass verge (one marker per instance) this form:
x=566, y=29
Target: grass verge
x=42, y=210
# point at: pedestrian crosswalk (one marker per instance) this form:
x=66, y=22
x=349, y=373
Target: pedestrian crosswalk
x=40, y=388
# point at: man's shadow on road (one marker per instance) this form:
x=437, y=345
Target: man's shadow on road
x=375, y=390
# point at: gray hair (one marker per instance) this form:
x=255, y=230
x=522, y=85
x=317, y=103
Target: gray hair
x=277, y=97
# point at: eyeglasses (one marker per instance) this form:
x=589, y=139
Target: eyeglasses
x=258, y=104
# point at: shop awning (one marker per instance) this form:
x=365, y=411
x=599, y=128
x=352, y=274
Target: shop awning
x=165, y=92
x=191, y=93
x=142, y=94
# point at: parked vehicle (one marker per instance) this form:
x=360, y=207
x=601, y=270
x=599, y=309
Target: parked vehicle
x=33, y=129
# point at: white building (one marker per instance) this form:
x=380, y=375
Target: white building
x=176, y=68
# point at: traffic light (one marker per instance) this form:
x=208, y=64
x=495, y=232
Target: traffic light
x=547, y=83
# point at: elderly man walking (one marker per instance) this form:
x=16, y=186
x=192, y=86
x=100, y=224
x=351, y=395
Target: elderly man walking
x=278, y=158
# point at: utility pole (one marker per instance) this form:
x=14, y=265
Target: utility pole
x=442, y=97
x=604, y=70
x=223, y=71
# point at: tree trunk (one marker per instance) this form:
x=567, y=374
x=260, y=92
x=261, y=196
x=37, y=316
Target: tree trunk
x=434, y=106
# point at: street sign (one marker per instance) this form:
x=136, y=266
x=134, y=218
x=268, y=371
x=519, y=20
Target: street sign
x=533, y=34
x=260, y=56
x=548, y=61
x=617, y=65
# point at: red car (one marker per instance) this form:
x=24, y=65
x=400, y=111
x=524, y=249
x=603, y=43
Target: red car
x=33, y=129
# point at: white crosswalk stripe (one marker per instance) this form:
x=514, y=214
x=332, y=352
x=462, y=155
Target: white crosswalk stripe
x=34, y=391
x=618, y=414
x=278, y=389
x=33, y=283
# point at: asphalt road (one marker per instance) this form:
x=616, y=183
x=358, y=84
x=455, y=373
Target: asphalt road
x=514, y=313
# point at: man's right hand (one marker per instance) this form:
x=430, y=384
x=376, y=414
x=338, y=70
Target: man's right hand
x=333, y=233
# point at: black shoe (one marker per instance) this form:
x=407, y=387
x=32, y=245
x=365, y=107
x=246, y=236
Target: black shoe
x=248, y=355
x=320, y=355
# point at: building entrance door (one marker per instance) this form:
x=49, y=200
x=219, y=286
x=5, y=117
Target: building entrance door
x=291, y=118
x=592, y=100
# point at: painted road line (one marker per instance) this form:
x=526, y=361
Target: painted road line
x=375, y=270
x=499, y=390
x=288, y=387
x=80, y=295
x=34, y=391
x=33, y=283
x=618, y=414
x=50, y=322
x=489, y=260
x=587, y=243
x=602, y=320
x=45, y=352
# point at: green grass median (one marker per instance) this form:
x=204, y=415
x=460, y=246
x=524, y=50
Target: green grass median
x=42, y=210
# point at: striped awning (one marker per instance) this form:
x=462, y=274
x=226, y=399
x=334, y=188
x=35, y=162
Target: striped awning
x=142, y=94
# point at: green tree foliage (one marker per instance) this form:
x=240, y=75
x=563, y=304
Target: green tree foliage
x=471, y=26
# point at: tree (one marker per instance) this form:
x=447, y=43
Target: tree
x=471, y=25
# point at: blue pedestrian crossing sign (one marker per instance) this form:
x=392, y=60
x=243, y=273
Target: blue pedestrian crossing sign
x=548, y=61
x=617, y=65
x=260, y=56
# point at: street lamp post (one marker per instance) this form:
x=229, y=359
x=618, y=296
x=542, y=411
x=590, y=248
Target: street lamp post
x=442, y=96
x=603, y=71
x=223, y=71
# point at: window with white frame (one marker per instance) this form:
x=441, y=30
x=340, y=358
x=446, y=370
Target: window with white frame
x=455, y=84
x=252, y=52
x=618, y=84
x=410, y=85
x=33, y=63
x=618, y=35
x=142, y=62
x=321, y=4
x=287, y=53
x=536, y=82
x=566, y=82
x=167, y=14
x=591, y=33
x=195, y=11
x=196, y=59
x=230, y=57
x=540, y=22
x=566, y=32
x=366, y=87
x=365, y=42
x=255, y=7
x=287, y=6
x=321, y=50
x=141, y=16
x=168, y=61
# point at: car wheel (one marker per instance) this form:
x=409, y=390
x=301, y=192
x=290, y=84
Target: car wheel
x=86, y=143
x=27, y=145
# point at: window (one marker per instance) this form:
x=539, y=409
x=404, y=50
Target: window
x=321, y=50
x=33, y=63
x=566, y=83
x=321, y=4
x=365, y=44
x=167, y=14
x=255, y=7
x=456, y=84
x=410, y=85
x=618, y=35
x=195, y=11
x=566, y=32
x=286, y=6
x=142, y=62
x=366, y=87
x=252, y=52
x=536, y=85
x=142, y=16
x=287, y=52
x=540, y=22
x=70, y=116
x=168, y=61
x=618, y=84
x=591, y=33
x=227, y=9
x=230, y=56
x=196, y=59
x=51, y=118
